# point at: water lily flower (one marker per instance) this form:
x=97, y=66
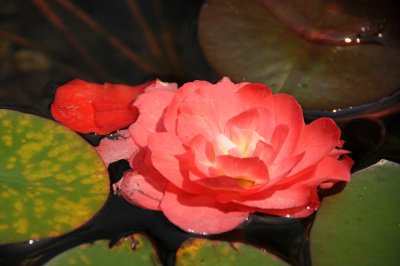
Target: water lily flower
x=209, y=155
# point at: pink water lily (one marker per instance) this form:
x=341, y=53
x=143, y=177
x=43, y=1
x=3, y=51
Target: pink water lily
x=209, y=155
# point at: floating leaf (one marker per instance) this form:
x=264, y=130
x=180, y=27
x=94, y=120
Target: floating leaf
x=100, y=254
x=327, y=54
x=361, y=225
x=205, y=252
x=51, y=180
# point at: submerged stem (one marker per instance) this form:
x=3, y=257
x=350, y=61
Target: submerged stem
x=70, y=36
x=112, y=40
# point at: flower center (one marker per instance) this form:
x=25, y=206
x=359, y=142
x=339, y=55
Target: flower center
x=243, y=166
x=244, y=181
x=242, y=143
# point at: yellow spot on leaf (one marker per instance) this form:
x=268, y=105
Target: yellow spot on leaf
x=7, y=140
x=27, y=151
x=39, y=207
x=190, y=248
x=54, y=233
x=45, y=190
x=45, y=164
x=98, y=189
x=55, y=168
x=10, y=192
x=10, y=166
x=30, y=135
x=81, y=167
x=18, y=206
x=7, y=123
x=55, y=151
x=35, y=236
x=225, y=250
x=5, y=194
x=62, y=177
x=85, y=259
x=24, y=121
x=3, y=227
x=66, y=158
x=71, y=212
x=37, y=174
x=21, y=226
x=71, y=261
x=69, y=189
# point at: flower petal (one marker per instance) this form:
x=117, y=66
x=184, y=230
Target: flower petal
x=206, y=110
x=111, y=120
x=253, y=94
x=316, y=141
x=141, y=163
x=171, y=115
x=256, y=119
x=116, y=96
x=219, y=183
x=200, y=214
x=72, y=106
x=280, y=170
x=203, y=153
x=264, y=151
x=330, y=169
x=143, y=191
x=198, y=116
x=151, y=105
x=297, y=212
x=251, y=169
x=278, y=139
x=89, y=107
x=286, y=110
x=279, y=198
x=161, y=85
x=122, y=148
x=172, y=160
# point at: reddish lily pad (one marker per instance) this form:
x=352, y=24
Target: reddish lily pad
x=100, y=254
x=206, y=252
x=51, y=180
x=327, y=54
x=360, y=225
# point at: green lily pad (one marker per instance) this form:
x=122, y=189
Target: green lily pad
x=100, y=254
x=206, y=252
x=361, y=225
x=51, y=180
x=327, y=54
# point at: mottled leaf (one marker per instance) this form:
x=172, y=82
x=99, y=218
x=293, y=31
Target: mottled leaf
x=206, y=252
x=51, y=180
x=130, y=252
x=327, y=54
x=361, y=225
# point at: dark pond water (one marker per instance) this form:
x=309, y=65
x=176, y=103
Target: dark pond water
x=28, y=81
